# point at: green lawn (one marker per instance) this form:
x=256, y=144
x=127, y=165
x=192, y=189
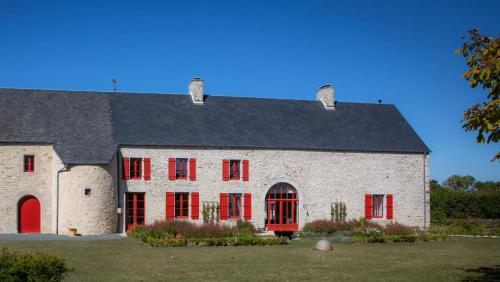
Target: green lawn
x=130, y=259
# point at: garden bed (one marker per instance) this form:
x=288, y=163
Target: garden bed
x=364, y=231
x=182, y=234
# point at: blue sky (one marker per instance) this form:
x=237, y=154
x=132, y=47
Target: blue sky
x=398, y=51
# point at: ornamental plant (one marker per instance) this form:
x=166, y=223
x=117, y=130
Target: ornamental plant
x=32, y=267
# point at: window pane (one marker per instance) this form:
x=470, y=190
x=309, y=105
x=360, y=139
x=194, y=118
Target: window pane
x=140, y=204
x=234, y=205
x=135, y=167
x=181, y=168
x=181, y=204
x=234, y=169
x=140, y=212
x=177, y=204
x=185, y=207
x=29, y=163
x=378, y=201
x=140, y=220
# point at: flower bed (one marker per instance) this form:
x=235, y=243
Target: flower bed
x=366, y=231
x=181, y=233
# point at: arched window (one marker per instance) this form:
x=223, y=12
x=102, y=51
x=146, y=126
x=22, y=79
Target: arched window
x=282, y=205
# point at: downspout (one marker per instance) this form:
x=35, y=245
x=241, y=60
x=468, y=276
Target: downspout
x=119, y=215
x=425, y=197
x=65, y=167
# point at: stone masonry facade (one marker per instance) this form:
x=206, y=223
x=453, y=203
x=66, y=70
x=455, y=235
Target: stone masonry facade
x=16, y=184
x=320, y=178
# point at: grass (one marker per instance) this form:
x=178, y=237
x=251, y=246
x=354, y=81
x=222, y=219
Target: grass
x=129, y=259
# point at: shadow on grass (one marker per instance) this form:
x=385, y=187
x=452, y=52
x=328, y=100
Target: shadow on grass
x=487, y=273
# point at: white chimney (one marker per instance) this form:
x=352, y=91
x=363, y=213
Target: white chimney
x=326, y=94
x=196, y=90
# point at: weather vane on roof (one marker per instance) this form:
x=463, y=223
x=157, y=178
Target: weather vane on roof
x=114, y=81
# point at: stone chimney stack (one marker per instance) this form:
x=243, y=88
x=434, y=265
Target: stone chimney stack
x=196, y=90
x=326, y=94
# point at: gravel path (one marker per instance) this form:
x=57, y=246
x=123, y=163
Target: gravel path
x=53, y=237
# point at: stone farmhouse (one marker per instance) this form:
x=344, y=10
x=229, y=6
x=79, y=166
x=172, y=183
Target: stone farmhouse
x=102, y=162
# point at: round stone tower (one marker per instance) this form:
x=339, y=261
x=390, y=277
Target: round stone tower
x=88, y=199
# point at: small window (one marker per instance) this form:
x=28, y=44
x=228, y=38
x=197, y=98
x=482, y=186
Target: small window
x=181, y=205
x=234, y=169
x=181, y=168
x=378, y=206
x=29, y=163
x=87, y=192
x=234, y=205
x=135, y=168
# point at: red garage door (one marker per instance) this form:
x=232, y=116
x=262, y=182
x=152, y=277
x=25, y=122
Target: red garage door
x=29, y=215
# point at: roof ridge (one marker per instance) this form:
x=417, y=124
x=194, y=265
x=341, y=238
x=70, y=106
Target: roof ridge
x=184, y=94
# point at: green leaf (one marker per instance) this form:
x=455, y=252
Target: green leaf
x=480, y=139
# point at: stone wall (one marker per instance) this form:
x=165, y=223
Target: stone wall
x=15, y=184
x=320, y=178
x=90, y=215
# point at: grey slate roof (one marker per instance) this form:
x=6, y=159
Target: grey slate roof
x=86, y=127
x=77, y=123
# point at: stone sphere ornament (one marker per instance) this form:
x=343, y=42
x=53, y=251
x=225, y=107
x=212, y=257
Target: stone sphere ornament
x=323, y=245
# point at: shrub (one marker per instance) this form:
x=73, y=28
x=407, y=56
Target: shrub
x=449, y=204
x=490, y=227
x=31, y=267
x=244, y=240
x=399, y=229
x=328, y=226
x=401, y=238
x=245, y=227
x=320, y=226
x=356, y=227
x=182, y=233
x=363, y=224
x=171, y=229
x=390, y=238
x=427, y=236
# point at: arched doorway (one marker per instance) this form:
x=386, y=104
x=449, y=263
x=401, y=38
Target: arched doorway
x=282, y=208
x=29, y=215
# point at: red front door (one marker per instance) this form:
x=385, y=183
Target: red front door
x=135, y=209
x=29, y=215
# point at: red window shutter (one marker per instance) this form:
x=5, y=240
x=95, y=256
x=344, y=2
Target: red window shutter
x=247, y=205
x=389, y=206
x=171, y=168
x=147, y=168
x=245, y=170
x=225, y=170
x=368, y=206
x=125, y=168
x=192, y=169
x=170, y=205
x=195, y=203
x=223, y=206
